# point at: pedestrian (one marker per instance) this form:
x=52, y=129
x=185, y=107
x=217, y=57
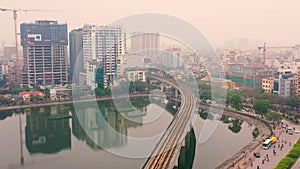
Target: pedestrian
x=258, y=167
x=278, y=145
x=251, y=164
x=290, y=144
x=267, y=155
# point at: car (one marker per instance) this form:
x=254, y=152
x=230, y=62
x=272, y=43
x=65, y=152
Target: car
x=296, y=131
x=256, y=154
x=291, y=132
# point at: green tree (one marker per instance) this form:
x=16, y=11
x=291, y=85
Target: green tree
x=293, y=101
x=99, y=92
x=132, y=87
x=261, y=107
x=235, y=101
x=107, y=91
x=235, y=125
x=26, y=88
x=36, y=87
x=274, y=116
x=47, y=93
x=139, y=86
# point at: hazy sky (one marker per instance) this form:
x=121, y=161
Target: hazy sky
x=276, y=22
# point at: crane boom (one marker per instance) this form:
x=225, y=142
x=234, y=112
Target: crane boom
x=265, y=47
x=15, y=16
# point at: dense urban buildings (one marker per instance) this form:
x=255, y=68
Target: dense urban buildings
x=76, y=58
x=136, y=74
x=298, y=82
x=287, y=86
x=268, y=85
x=145, y=43
x=1, y=73
x=172, y=57
x=101, y=47
x=44, y=53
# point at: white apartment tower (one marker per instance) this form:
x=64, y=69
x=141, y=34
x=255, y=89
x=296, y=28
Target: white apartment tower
x=101, y=47
x=145, y=43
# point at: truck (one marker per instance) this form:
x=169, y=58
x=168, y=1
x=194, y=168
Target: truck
x=273, y=139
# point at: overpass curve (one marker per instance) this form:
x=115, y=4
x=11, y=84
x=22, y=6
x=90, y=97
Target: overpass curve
x=167, y=150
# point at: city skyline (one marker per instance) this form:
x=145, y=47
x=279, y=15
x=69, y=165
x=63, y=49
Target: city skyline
x=255, y=20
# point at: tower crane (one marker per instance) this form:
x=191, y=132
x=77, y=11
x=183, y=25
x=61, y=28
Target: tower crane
x=265, y=47
x=15, y=15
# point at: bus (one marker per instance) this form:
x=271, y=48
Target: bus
x=267, y=144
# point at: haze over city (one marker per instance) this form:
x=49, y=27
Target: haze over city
x=149, y=84
x=274, y=22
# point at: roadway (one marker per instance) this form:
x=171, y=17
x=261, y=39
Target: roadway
x=77, y=100
x=166, y=152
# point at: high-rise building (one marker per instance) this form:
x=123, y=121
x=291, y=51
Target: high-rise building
x=9, y=52
x=287, y=86
x=298, y=82
x=76, y=58
x=1, y=73
x=145, y=43
x=44, y=53
x=101, y=47
x=172, y=58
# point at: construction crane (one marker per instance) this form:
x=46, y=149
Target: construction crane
x=265, y=47
x=15, y=15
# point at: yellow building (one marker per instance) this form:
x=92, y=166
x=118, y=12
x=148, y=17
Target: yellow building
x=228, y=84
x=267, y=85
x=25, y=96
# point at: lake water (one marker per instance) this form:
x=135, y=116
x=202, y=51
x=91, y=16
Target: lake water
x=83, y=141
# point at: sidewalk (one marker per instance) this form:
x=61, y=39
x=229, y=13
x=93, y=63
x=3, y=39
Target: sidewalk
x=275, y=159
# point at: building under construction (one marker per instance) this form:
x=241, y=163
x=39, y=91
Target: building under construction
x=248, y=77
x=44, y=53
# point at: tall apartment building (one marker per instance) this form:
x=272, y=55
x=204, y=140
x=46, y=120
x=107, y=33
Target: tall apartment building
x=76, y=57
x=298, y=82
x=44, y=53
x=172, y=58
x=287, y=86
x=101, y=47
x=1, y=73
x=145, y=43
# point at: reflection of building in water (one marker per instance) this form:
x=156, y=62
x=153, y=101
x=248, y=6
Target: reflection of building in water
x=102, y=128
x=44, y=135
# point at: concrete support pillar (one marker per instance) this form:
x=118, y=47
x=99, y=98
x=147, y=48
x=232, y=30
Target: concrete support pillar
x=183, y=143
x=176, y=161
x=187, y=140
x=182, y=157
x=161, y=87
x=176, y=93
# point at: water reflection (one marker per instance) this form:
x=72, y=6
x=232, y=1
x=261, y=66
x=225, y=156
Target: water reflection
x=235, y=125
x=106, y=127
x=43, y=135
